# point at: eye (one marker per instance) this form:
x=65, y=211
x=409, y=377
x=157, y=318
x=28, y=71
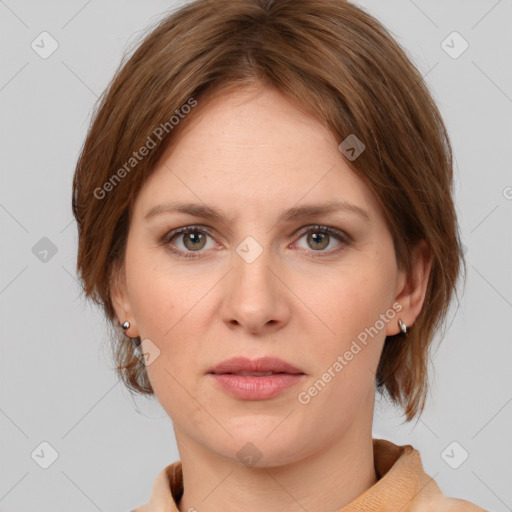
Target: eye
x=318, y=238
x=190, y=239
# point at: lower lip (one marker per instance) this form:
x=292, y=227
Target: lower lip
x=256, y=388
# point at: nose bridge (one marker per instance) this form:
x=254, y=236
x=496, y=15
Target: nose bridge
x=252, y=273
x=254, y=297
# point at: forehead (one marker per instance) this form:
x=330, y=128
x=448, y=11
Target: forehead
x=253, y=116
x=253, y=148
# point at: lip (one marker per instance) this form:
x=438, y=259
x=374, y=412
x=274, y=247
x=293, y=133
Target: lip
x=253, y=387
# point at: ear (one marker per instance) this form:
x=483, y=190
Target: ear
x=412, y=287
x=121, y=300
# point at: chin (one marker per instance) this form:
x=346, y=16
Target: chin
x=259, y=455
x=261, y=447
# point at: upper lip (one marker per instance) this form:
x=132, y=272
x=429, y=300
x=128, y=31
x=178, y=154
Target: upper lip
x=262, y=364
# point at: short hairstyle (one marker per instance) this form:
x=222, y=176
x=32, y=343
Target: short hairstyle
x=331, y=59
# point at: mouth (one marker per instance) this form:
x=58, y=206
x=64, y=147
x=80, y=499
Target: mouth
x=257, y=379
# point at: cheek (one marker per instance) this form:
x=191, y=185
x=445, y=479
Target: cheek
x=169, y=307
x=350, y=308
x=346, y=302
x=162, y=297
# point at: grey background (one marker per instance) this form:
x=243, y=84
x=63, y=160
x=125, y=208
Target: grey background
x=57, y=384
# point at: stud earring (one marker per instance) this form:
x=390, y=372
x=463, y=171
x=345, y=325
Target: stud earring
x=402, y=326
x=126, y=325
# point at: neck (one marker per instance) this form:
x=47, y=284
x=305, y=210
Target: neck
x=325, y=481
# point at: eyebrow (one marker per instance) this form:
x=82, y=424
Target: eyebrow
x=292, y=214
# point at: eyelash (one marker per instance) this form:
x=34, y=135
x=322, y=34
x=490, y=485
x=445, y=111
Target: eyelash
x=339, y=235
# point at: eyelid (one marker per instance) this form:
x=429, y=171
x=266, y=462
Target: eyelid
x=169, y=235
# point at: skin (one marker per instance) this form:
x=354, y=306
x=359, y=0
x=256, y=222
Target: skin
x=252, y=154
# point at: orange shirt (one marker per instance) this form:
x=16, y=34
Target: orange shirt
x=403, y=486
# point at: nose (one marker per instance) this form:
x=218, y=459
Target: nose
x=255, y=298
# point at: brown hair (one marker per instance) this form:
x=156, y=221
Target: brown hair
x=330, y=58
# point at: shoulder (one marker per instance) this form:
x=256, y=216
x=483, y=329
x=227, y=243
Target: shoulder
x=444, y=504
x=403, y=475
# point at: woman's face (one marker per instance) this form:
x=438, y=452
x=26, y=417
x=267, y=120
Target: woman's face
x=260, y=283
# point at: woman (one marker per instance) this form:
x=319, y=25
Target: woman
x=265, y=213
